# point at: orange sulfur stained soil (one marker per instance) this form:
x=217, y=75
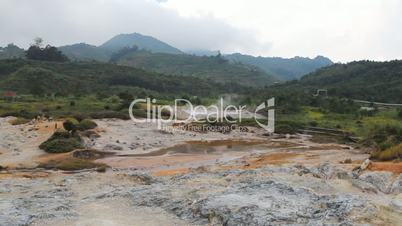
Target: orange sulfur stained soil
x=29, y=175
x=392, y=167
x=49, y=127
x=264, y=160
x=170, y=172
x=271, y=159
x=251, y=163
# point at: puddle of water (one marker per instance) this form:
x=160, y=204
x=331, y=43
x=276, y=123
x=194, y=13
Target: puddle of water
x=193, y=154
x=207, y=148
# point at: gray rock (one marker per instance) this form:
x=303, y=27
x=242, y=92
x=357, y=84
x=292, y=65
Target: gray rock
x=53, y=202
x=396, y=187
x=380, y=180
x=396, y=203
x=112, y=147
x=253, y=200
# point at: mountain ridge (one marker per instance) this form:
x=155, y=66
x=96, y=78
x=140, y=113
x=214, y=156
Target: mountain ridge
x=149, y=43
x=284, y=68
x=362, y=80
x=215, y=68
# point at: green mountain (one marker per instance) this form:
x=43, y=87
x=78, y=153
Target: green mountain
x=74, y=78
x=11, y=51
x=85, y=52
x=214, y=68
x=285, y=69
x=362, y=80
x=141, y=41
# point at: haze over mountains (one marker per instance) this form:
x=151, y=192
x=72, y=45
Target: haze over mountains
x=286, y=69
x=174, y=61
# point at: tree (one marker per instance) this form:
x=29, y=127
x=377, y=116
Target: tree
x=38, y=42
x=70, y=126
x=49, y=53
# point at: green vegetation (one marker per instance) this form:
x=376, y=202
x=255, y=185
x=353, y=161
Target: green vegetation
x=384, y=136
x=391, y=153
x=87, y=78
x=214, y=68
x=29, y=107
x=363, y=80
x=61, y=142
x=49, y=53
x=11, y=51
x=19, y=121
x=86, y=124
x=71, y=125
x=85, y=52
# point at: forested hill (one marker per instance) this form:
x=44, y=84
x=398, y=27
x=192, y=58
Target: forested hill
x=363, y=80
x=83, y=78
x=141, y=41
x=283, y=68
x=11, y=51
x=213, y=68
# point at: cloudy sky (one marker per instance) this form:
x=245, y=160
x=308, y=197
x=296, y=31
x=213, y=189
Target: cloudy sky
x=343, y=30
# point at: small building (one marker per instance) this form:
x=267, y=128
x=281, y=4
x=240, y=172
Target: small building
x=321, y=92
x=10, y=96
x=367, y=108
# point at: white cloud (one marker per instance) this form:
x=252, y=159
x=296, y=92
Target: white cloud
x=63, y=22
x=341, y=29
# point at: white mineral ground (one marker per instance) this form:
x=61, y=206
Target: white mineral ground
x=243, y=178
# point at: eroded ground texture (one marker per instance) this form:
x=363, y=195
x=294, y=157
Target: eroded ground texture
x=279, y=181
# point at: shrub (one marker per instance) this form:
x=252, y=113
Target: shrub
x=141, y=113
x=61, y=145
x=113, y=99
x=86, y=124
x=19, y=121
x=110, y=114
x=384, y=136
x=61, y=142
x=287, y=127
x=394, y=152
x=70, y=124
x=400, y=113
x=80, y=116
x=21, y=114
